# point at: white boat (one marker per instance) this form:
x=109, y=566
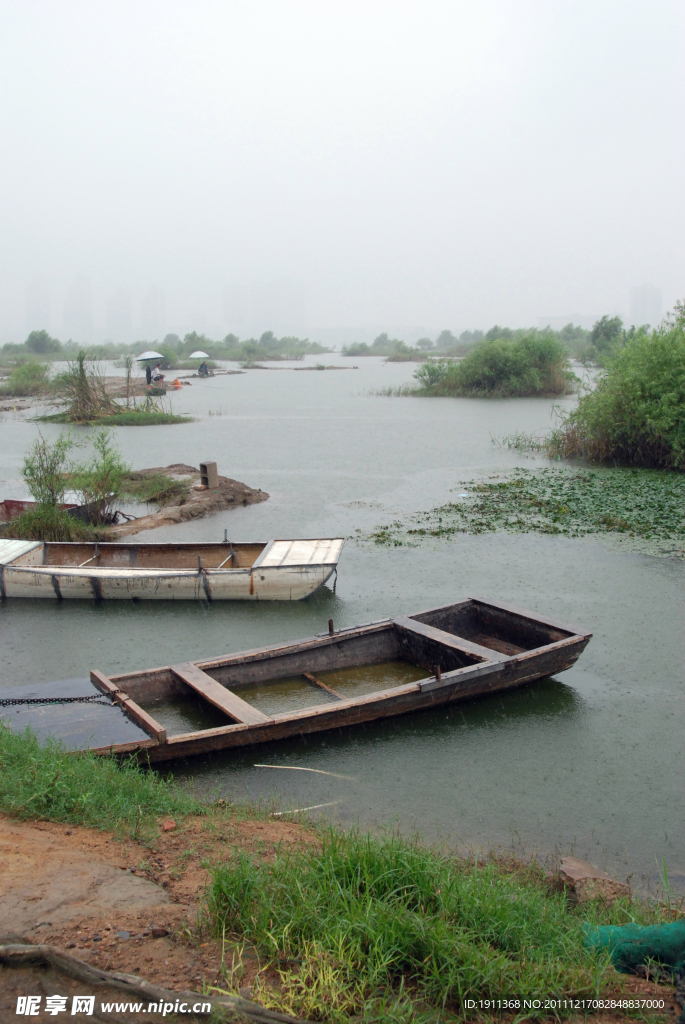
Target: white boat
x=279, y=570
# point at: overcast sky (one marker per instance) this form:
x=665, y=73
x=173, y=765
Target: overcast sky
x=410, y=162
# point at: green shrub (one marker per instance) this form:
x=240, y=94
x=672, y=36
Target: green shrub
x=49, y=522
x=535, y=364
x=31, y=378
x=636, y=413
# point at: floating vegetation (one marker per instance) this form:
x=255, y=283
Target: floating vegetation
x=647, y=504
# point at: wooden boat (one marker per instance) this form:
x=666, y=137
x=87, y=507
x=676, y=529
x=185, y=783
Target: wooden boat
x=328, y=681
x=279, y=570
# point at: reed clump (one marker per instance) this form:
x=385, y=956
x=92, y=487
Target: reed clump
x=82, y=389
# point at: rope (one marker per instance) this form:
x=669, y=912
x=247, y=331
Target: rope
x=9, y=702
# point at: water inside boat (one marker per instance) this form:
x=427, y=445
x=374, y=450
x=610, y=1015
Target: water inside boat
x=294, y=693
x=183, y=713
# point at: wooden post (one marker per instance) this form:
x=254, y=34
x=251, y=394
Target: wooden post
x=438, y=672
x=331, y=631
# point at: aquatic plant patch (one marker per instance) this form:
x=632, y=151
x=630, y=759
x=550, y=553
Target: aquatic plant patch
x=648, y=504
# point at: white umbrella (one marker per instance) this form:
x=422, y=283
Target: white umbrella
x=149, y=355
x=198, y=355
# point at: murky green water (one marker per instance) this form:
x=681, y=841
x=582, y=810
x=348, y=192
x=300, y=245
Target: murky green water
x=592, y=761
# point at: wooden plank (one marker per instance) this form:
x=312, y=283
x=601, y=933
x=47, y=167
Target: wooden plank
x=317, y=682
x=140, y=717
x=458, y=643
x=218, y=695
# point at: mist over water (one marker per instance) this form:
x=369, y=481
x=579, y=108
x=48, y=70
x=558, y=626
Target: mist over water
x=590, y=761
x=322, y=168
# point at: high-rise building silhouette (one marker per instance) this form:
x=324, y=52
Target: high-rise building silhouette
x=118, y=325
x=153, y=314
x=37, y=305
x=645, y=305
x=78, y=311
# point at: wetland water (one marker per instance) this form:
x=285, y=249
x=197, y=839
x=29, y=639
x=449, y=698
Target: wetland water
x=591, y=762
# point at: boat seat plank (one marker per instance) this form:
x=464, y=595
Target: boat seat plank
x=459, y=643
x=302, y=552
x=218, y=695
x=145, y=721
x=11, y=549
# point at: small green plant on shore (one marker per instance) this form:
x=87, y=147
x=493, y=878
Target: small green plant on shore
x=646, y=504
x=98, y=482
x=32, y=378
x=46, y=467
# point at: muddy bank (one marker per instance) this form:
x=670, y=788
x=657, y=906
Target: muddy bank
x=199, y=503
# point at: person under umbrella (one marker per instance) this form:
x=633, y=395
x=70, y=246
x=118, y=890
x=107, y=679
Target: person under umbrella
x=158, y=375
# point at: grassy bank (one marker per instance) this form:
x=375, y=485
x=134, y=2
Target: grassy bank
x=44, y=781
x=636, y=503
x=124, y=418
x=343, y=926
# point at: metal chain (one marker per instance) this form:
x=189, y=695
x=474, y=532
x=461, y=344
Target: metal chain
x=96, y=698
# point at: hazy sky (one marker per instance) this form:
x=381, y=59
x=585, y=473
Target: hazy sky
x=447, y=164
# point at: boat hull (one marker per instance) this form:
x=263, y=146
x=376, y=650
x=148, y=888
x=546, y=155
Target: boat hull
x=274, y=571
x=520, y=648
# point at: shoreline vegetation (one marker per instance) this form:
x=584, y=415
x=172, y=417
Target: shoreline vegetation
x=41, y=347
x=342, y=925
x=101, y=483
x=636, y=503
x=534, y=364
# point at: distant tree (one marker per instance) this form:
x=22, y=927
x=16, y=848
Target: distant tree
x=424, y=343
x=172, y=339
x=382, y=341
x=470, y=337
x=606, y=335
x=40, y=341
x=445, y=340
x=499, y=332
x=231, y=339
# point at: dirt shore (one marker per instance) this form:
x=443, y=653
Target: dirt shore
x=229, y=494
x=120, y=905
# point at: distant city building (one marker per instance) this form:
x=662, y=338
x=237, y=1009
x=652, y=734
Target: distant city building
x=118, y=323
x=276, y=305
x=153, y=314
x=645, y=305
x=37, y=305
x=78, y=311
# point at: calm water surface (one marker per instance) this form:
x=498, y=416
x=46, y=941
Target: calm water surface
x=591, y=762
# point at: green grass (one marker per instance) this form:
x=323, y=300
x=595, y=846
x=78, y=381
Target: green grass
x=647, y=504
x=369, y=926
x=157, y=489
x=45, y=781
x=124, y=418
x=47, y=522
